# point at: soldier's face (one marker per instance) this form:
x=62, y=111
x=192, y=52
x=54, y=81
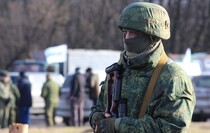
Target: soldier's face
x=6, y=79
x=129, y=34
x=134, y=41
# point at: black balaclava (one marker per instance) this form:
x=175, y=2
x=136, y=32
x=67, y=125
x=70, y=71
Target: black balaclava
x=145, y=48
x=137, y=44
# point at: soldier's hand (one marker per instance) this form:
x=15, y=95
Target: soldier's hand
x=7, y=101
x=106, y=126
x=72, y=98
x=97, y=116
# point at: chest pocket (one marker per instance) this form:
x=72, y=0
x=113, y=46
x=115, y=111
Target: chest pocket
x=134, y=86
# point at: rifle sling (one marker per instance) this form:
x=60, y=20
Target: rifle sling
x=152, y=84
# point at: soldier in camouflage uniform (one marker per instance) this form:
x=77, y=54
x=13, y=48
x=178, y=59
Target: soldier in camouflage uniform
x=9, y=97
x=13, y=117
x=50, y=93
x=171, y=105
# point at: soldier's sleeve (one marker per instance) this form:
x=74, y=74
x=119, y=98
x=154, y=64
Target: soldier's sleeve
x=44, y=90
x=15, y=91
x=2, y=96
x=170, y=113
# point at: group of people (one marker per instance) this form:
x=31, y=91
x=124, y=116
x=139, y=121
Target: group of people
x=15, y=99
x=151, y=92
x=80, y=84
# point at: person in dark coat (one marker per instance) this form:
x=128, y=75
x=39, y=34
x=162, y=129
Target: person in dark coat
x=77, y=96
x=25, y=103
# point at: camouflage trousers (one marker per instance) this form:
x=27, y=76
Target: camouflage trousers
x=4, y=117
x=12, y=115
x=50, y=114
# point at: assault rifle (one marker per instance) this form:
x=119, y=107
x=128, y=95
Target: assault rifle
x=116, y=106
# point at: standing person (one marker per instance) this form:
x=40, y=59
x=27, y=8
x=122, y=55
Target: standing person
x=50, y=93
x=14, y=103
x=9, y=96
x=77, y=95
x=163, y=106
x=25, y=103
x=92, y=83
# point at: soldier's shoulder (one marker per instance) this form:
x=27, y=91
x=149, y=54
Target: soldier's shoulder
x=173, y=69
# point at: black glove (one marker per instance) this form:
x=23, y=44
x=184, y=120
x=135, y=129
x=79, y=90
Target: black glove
x=96, y=117
x=6, y=101
x=106, y=126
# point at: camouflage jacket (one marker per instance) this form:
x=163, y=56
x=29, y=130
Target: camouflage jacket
x=9, y=91
x=50, y=92
x=171, y=106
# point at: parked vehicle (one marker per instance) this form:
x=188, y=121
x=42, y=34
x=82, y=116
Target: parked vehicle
x=28, y=65
x=202, y=91
x=64, y=105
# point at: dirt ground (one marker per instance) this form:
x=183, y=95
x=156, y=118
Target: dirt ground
x=200, y=127
x=196, y=127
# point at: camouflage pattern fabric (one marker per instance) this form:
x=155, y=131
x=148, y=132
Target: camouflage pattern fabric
x=4, y=109
x=14, y=103
x=171, y=106
x=146, y=17
x=50, y=93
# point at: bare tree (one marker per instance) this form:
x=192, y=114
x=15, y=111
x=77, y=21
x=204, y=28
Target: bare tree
x=28, y=25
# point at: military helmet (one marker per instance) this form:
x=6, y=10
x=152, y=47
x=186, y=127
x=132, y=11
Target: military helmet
x=146, y=17
x=4, y=73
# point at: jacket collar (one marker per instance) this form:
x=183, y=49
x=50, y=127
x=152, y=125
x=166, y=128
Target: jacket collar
x=145, y=60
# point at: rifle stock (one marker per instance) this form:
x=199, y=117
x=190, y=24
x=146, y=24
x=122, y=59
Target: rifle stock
x=109, y=93
x=114, y=79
